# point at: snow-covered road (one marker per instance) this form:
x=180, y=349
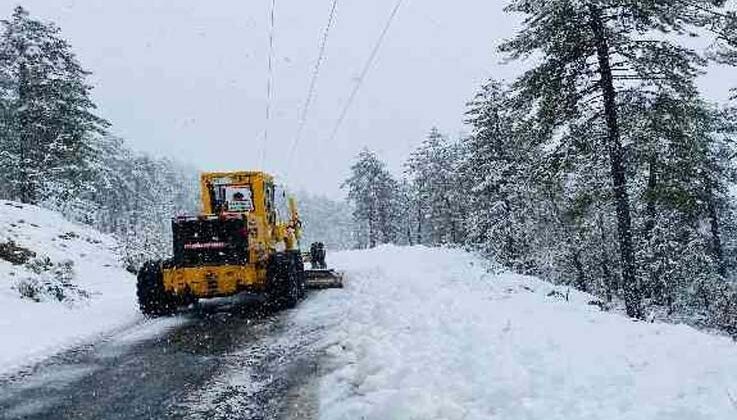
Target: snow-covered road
x=225, y=359
x=417, y=333
x=424, y=333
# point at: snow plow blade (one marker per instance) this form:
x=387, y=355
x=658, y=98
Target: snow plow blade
x=323, y=279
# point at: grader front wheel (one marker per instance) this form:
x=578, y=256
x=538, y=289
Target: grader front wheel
x=285, y=280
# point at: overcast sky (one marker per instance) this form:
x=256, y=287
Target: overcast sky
x=187, y=78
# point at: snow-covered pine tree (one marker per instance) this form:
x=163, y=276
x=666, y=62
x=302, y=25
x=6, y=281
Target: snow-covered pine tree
x=325, y=220
x=159, y=190
x=48, y=115
x=723, y=23
x=583, y=206
x=407, y=210
x=8, y=142
x=136, y=196
x=373, y=193
x=677, y=178
x=495, y=176
x=434, y=177
x=591, y=51
x=536, y=203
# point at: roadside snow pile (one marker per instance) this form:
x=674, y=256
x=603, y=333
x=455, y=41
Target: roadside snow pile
x=60, y=284
x=422, y=333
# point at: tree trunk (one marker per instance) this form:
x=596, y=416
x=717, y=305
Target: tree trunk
x=652, y=289
x=26, y=189
x=652, y=183
x=371, y=228
x=419, y=222
x=408, y=222
x=580, y=275
x=716, y=238
x=371, y=234
x=609, y=281
x=632, y=296
x=451, y=219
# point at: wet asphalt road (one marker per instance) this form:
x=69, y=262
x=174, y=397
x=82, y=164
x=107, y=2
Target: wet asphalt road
x=218, y=360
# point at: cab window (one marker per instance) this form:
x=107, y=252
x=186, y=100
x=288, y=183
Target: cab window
x=238, y=198
x=232, y=198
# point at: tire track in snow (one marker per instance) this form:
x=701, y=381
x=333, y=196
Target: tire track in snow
x=224, y=359
x=273, y=378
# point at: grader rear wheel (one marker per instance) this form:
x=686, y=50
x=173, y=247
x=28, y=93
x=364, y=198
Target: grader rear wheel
x=152, y=298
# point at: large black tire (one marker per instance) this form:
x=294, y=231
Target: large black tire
x=285, y=280
x=152, y=298
x=301, y=277
x=302, y=284
x=291, y=291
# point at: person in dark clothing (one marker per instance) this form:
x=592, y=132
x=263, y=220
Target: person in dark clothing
x=317, y=256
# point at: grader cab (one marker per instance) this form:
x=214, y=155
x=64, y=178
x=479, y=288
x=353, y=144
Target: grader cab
x=236, y=244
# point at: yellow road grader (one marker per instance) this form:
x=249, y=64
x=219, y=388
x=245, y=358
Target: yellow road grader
x=238, y=243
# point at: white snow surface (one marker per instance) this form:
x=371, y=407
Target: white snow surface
x=421, y=333
x=31, y=331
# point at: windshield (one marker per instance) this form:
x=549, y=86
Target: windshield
x=238, y=198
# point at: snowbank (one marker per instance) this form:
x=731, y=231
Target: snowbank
x=424, y=333
x=100, y=295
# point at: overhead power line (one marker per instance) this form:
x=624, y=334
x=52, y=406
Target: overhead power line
x=365, y=71
x=313, y=84
x=269, y=80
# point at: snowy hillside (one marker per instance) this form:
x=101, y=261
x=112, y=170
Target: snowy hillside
x=60, y=283
x=422, y=333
